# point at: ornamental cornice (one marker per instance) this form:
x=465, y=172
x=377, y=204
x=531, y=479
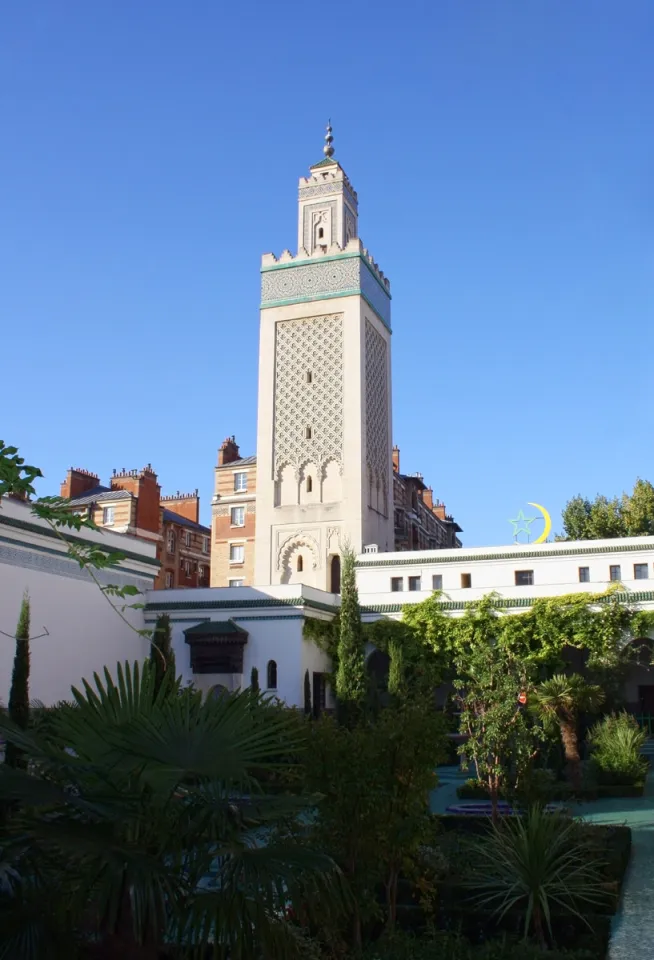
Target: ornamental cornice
x=521, y=555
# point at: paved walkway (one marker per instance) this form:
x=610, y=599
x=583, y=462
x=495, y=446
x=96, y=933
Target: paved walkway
x=632, y=933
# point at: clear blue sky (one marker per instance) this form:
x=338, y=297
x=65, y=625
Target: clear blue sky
x=503, y=153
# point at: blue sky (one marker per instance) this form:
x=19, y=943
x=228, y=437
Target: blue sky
x=502, y=152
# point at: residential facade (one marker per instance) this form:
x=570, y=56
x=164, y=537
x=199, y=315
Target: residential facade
x=420, y=522
x=233, y=516
x=132, y=505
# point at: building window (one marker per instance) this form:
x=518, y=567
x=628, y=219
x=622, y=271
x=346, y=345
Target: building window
x=271, y=675
x=236, y=553
x=205, y=544
x=171, y=541
x=308, y=433
x=414, y=583
x=187, y=568
x=466, y=581
x=615, y=573
x=300, y=564
x=397, y=584
x=169, y=579
x=641, y=571
x=108, y=516
x=237, y=583
x=309, y=376
x=200, y=570
x=524, y=578
x=238, y=516
x=437, y=581
x=187, y=538
x=240, y=481
x=584, y=574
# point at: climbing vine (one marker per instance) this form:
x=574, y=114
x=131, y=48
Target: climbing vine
x=431, y=639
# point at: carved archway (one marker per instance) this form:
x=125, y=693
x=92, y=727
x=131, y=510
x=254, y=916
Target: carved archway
x=298, y=541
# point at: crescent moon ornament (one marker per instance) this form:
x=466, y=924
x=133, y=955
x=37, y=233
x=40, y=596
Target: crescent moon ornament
x=548, y=523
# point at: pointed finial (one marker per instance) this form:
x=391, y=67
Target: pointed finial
x=328, y=149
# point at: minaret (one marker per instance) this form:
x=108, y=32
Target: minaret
x=324, y=473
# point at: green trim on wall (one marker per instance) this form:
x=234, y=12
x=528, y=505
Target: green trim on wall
x=508, y=603
x=71, y=538
x=314, y=298
x=238, y=604
x=62, y=555
x=522, y=555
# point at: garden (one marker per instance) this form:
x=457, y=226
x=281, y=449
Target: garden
x=141, y=820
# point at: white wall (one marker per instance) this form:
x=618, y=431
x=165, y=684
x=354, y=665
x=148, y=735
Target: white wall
x=84, y=633
x=555, y=569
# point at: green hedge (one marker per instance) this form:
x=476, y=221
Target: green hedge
x=452, y=946
x=471, y=790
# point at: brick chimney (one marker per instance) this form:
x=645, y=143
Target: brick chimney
x=143, y=485
x=396, y=459
x=428, y=497
x=78, y=482
x=185, y=504
x=439, y=510
x=228, y=451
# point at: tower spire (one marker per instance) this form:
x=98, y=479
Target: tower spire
x=328, y=149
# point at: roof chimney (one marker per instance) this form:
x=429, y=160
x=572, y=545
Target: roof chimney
x=228, y=451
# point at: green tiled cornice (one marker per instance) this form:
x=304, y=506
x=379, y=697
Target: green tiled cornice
x=510, y=603
x=239, y=604
x=71, y=538
x=521, y=555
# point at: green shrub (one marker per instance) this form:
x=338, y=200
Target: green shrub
x=533, y=864
x=452, y=946
x=616, y=742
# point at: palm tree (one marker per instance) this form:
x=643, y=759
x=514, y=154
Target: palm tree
x=145, y=824
x=536, y=863
x=561, y=699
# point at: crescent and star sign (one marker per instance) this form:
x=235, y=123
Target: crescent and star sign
x=522, y=524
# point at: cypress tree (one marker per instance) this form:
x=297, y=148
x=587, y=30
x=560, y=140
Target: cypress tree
x=351, y=673
x=254, y=680
x=163, y=657
x=396, y=670
x=307, y=694
x=19, y=696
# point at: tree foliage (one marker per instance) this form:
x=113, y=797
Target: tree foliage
x=501, y=742
x=563, y=698
x=631, y=515
x=163, y=656
x=145, y=821
x=19, y=694
x=374, y=780
x=351, y=682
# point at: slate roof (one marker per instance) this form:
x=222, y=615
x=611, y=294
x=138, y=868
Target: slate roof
x=225, y=630
x=241, y=462
x=170, y=516
x=100, y=493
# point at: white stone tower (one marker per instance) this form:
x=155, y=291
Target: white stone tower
x=324, y=471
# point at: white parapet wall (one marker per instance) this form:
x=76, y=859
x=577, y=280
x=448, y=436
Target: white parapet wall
x=83, y=632
x=519, y=573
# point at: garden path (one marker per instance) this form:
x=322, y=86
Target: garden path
x=632, y=931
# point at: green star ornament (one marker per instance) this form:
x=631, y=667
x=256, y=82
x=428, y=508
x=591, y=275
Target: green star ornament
x=521, y=524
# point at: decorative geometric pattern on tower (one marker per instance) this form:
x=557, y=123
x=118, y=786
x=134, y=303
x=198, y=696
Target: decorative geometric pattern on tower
x=308, y=423
x=331, y=276
x=377, y=442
